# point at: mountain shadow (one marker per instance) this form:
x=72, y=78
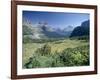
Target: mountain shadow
x=82, y=30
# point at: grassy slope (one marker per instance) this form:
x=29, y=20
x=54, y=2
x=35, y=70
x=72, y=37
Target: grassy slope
x=29, y=48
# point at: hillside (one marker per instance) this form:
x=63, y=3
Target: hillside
x=82, y=30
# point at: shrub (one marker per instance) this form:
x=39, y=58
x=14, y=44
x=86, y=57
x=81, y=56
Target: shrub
x=33, y=62
x=43, y=57
x=45, y=50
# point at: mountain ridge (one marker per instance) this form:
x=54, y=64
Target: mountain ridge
x=82, y=30
x=45, y=31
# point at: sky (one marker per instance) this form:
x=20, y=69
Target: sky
x=55, y=19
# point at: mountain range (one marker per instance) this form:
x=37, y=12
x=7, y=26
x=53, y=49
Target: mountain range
x=45, y=31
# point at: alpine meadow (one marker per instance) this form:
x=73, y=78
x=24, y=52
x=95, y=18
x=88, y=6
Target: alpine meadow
x=55, y=39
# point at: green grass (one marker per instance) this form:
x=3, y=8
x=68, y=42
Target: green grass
x=57, y=47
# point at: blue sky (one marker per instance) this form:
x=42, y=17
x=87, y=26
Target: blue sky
x=56, y=19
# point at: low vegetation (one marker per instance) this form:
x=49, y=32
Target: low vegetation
x=60, y=53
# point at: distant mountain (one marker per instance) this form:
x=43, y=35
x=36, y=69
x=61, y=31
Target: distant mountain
x=44, y=31
x=81, y=30
x=66, y=31
x=68, y=28
x=50, y=32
